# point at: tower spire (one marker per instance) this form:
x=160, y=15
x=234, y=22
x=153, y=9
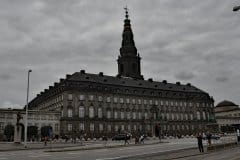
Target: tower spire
x=129, y=59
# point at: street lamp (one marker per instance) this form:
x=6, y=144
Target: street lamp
x=236, y=8
x=26, y=120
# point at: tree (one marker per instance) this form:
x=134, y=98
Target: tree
x=9, y=132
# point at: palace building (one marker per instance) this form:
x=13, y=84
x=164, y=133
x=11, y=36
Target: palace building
x=98, y=104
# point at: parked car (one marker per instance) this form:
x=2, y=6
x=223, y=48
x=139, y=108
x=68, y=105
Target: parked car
x=122, y=136
x=216, y=137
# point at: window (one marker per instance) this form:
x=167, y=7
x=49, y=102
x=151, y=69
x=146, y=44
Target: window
x=115, y=99
x=100, y=99
x=70, y=97
x=186, y=117
x=167, y=115
x=204, y=115
x=91, y=112
x=146, y=115
x=133, y=101
x=81, y=112
x=127, y=100
x=81, y=97
x=69, y=126
x=100, y=127
x=156, y=102
x=145, y=101
x=116, y=128
x=115, y=114
x=99, y=112
x=91, y=97
x=108, y=114
x=161, y=102
x=134, y=127
x=122, y=115
x=129, y=127
x=109, y=128
x=148, y=127
x=108, y=99
x=150, y=102
x=166, y=103
x=128, y=115
x=181, y=116
x=134, y=115
x=81, y=126
x=191, y=116
x=1, y=126
x=70, y=112
x=171, y=103
x=122, y=127
x=198, y=115
x=121, y=100
x=139, y=115
x=139, y=101
x=92, y=127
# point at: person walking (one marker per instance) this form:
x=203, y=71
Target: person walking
x=126, y=140
x=200, y=144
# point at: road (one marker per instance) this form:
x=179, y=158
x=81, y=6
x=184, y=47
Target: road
x=128, y=152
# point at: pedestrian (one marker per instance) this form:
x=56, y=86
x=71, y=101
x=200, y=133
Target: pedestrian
x=200, y=144
x=209, y=137
x=126, y=140
x=45, y=141
x=136, y=140
x=142, y=139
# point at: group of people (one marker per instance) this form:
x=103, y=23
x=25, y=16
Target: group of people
x=139, y=140
x=200, y=140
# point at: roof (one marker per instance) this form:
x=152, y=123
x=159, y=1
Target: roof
x=225, y=103
x=129, y=82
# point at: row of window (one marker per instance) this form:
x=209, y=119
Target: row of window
x=116, y=128
x=109, y=99
x=137, y=115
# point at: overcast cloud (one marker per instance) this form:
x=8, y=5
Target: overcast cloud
x=190, y=41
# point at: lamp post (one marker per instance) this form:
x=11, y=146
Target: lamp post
x=26, y=120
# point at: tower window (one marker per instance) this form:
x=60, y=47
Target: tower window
x=121, y=68
x=134, y=67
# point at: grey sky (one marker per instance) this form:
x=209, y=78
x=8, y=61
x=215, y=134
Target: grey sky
x=189, y=41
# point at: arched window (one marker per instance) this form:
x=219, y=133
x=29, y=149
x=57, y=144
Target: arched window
x=108, y=114
x=81, y=112
x=99, y=112
x=198, y=115
x=70, y=112
x=134, y=115
x=204, y=115
x=115, y=114
x=167, y=116
x=121, y=68
x=91, y=112
x=134, y=67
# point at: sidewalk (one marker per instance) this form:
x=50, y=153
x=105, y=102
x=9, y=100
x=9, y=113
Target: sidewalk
x=68, y=146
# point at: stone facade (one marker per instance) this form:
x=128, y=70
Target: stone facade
x=97, y=104
x=227, y=116
x=35, y=118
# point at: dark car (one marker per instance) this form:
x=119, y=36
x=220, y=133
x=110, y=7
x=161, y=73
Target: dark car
x=122, y=136
x=216, y=137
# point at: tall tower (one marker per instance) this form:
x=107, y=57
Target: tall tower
x=129, y=59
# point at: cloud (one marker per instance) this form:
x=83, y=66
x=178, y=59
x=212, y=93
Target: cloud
x=194, y=41
x=222, y=79
x=184, y=75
